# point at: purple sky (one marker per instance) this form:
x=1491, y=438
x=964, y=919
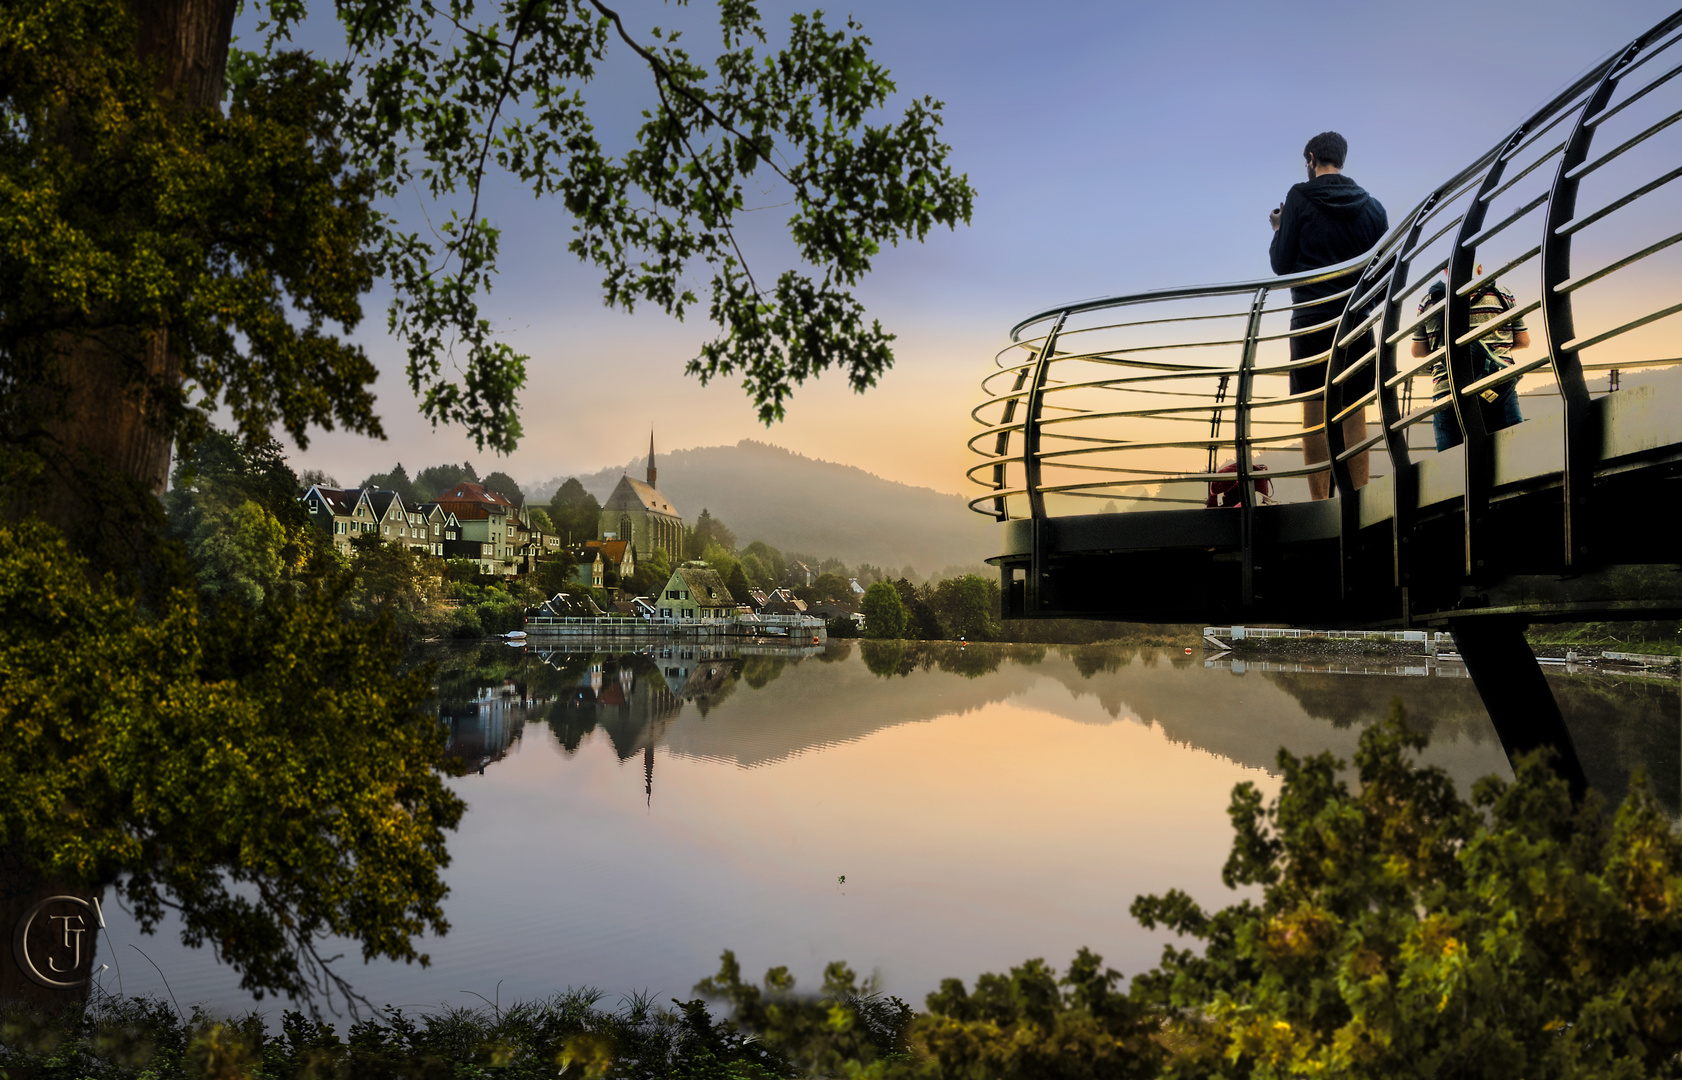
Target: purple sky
x=1114, y=147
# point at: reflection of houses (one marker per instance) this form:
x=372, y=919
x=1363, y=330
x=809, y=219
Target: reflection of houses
x=482, y=730
x=637, y=512
x=695, y=591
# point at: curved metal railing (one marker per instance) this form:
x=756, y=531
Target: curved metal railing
x=1136, y=402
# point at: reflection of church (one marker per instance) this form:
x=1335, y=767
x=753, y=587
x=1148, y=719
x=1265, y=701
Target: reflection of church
x=639, y=512
x=632, y=697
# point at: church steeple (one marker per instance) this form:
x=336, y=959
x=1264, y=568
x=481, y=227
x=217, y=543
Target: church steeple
x=651, y=470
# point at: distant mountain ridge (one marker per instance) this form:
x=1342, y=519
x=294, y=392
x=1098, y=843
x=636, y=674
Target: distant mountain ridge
x=797, y=503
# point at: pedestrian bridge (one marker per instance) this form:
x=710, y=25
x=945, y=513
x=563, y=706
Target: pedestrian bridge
x=1106, y=421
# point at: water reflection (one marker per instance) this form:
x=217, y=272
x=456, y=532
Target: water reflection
x=723, y=702
x=631, y=813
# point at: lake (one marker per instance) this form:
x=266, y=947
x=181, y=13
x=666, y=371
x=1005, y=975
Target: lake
x=920, y=810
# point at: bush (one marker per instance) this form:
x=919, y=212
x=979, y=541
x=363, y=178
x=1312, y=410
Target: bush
x=463, y=622
x=842, y=626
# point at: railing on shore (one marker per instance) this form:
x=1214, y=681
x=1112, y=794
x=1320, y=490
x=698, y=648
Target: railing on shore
x=745, y=626
x=1426, y=639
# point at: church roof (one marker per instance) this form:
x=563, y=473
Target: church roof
x=636, y=495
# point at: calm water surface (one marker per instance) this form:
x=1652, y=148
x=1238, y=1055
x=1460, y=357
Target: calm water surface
x=630, y=816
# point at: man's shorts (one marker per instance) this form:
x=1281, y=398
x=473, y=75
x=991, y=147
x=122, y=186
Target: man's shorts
x=1313, y=378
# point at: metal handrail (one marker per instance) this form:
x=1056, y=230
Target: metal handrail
x=1444, y=232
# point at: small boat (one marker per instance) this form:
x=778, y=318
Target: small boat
x=515, y=634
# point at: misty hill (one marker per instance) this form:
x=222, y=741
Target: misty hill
x=797, y=503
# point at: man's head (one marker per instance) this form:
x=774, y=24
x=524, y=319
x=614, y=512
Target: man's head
x=1325, y=150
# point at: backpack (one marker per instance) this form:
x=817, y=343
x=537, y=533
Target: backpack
x=1226, y=492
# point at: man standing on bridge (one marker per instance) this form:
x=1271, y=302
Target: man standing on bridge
x=1324, y=221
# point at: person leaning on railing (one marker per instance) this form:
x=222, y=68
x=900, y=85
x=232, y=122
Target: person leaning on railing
x=1500, y=404
x=1324, y=221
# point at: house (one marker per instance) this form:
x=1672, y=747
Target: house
x=827, y=610
x=346, y=514
x=637, y=512
x=778, y=602
x=603, y=564
x=340, y=513
x=437, y=526
x=565, y=606
x=641, y=607
x=491, y=520
x=799, y=571
x=695, y=591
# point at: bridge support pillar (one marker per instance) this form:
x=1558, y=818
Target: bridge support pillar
x=1517, y=697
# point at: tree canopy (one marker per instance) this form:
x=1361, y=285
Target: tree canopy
x=187, y=228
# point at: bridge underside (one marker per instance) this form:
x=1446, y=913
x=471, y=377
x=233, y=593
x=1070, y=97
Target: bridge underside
x=1428, y=570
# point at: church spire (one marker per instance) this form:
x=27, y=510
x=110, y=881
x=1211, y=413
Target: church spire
x=651, y=469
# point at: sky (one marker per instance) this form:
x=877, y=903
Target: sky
x=1114, y=146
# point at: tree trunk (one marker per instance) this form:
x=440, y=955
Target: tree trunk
x=107, y=421
x=60, y=944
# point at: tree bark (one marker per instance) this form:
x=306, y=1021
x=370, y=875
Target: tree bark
x=108, y=421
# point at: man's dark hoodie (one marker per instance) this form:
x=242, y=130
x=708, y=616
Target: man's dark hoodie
x=1327, y=220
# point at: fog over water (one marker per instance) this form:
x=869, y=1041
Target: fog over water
x=630, y=816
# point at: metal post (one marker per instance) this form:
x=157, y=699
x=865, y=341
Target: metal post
x=1241, y=443
x=1517, y=697
x=1404, y=500
x=1031, y=465
x=1456, y=322
x=1582, y=435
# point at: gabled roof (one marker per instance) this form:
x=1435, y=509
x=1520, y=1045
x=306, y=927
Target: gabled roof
x=337, y=501
x=568, y=605
x=705, y=586
x=471, y=502
x=380, y=502
x=613, y=550
x=636, y=495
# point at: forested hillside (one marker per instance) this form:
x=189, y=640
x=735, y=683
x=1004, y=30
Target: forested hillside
x=797, y=503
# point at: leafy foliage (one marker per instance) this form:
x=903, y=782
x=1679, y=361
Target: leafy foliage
x=850, y=1023
x=504, y=485
x=507, y=93
x=396, y=480
x=576, y=513
x=1403, y=931
x=120, y=214
x=884, y=613
x=431, y=482
x=710, y=532
x=275, y=837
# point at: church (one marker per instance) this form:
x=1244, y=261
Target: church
x=638, y=512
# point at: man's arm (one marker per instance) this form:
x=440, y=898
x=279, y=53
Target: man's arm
x=1521, y=339
x=1421, y=346
x=1283, y=251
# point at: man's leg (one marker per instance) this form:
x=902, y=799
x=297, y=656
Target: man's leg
x=1314, y=448
x=1354, y=434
